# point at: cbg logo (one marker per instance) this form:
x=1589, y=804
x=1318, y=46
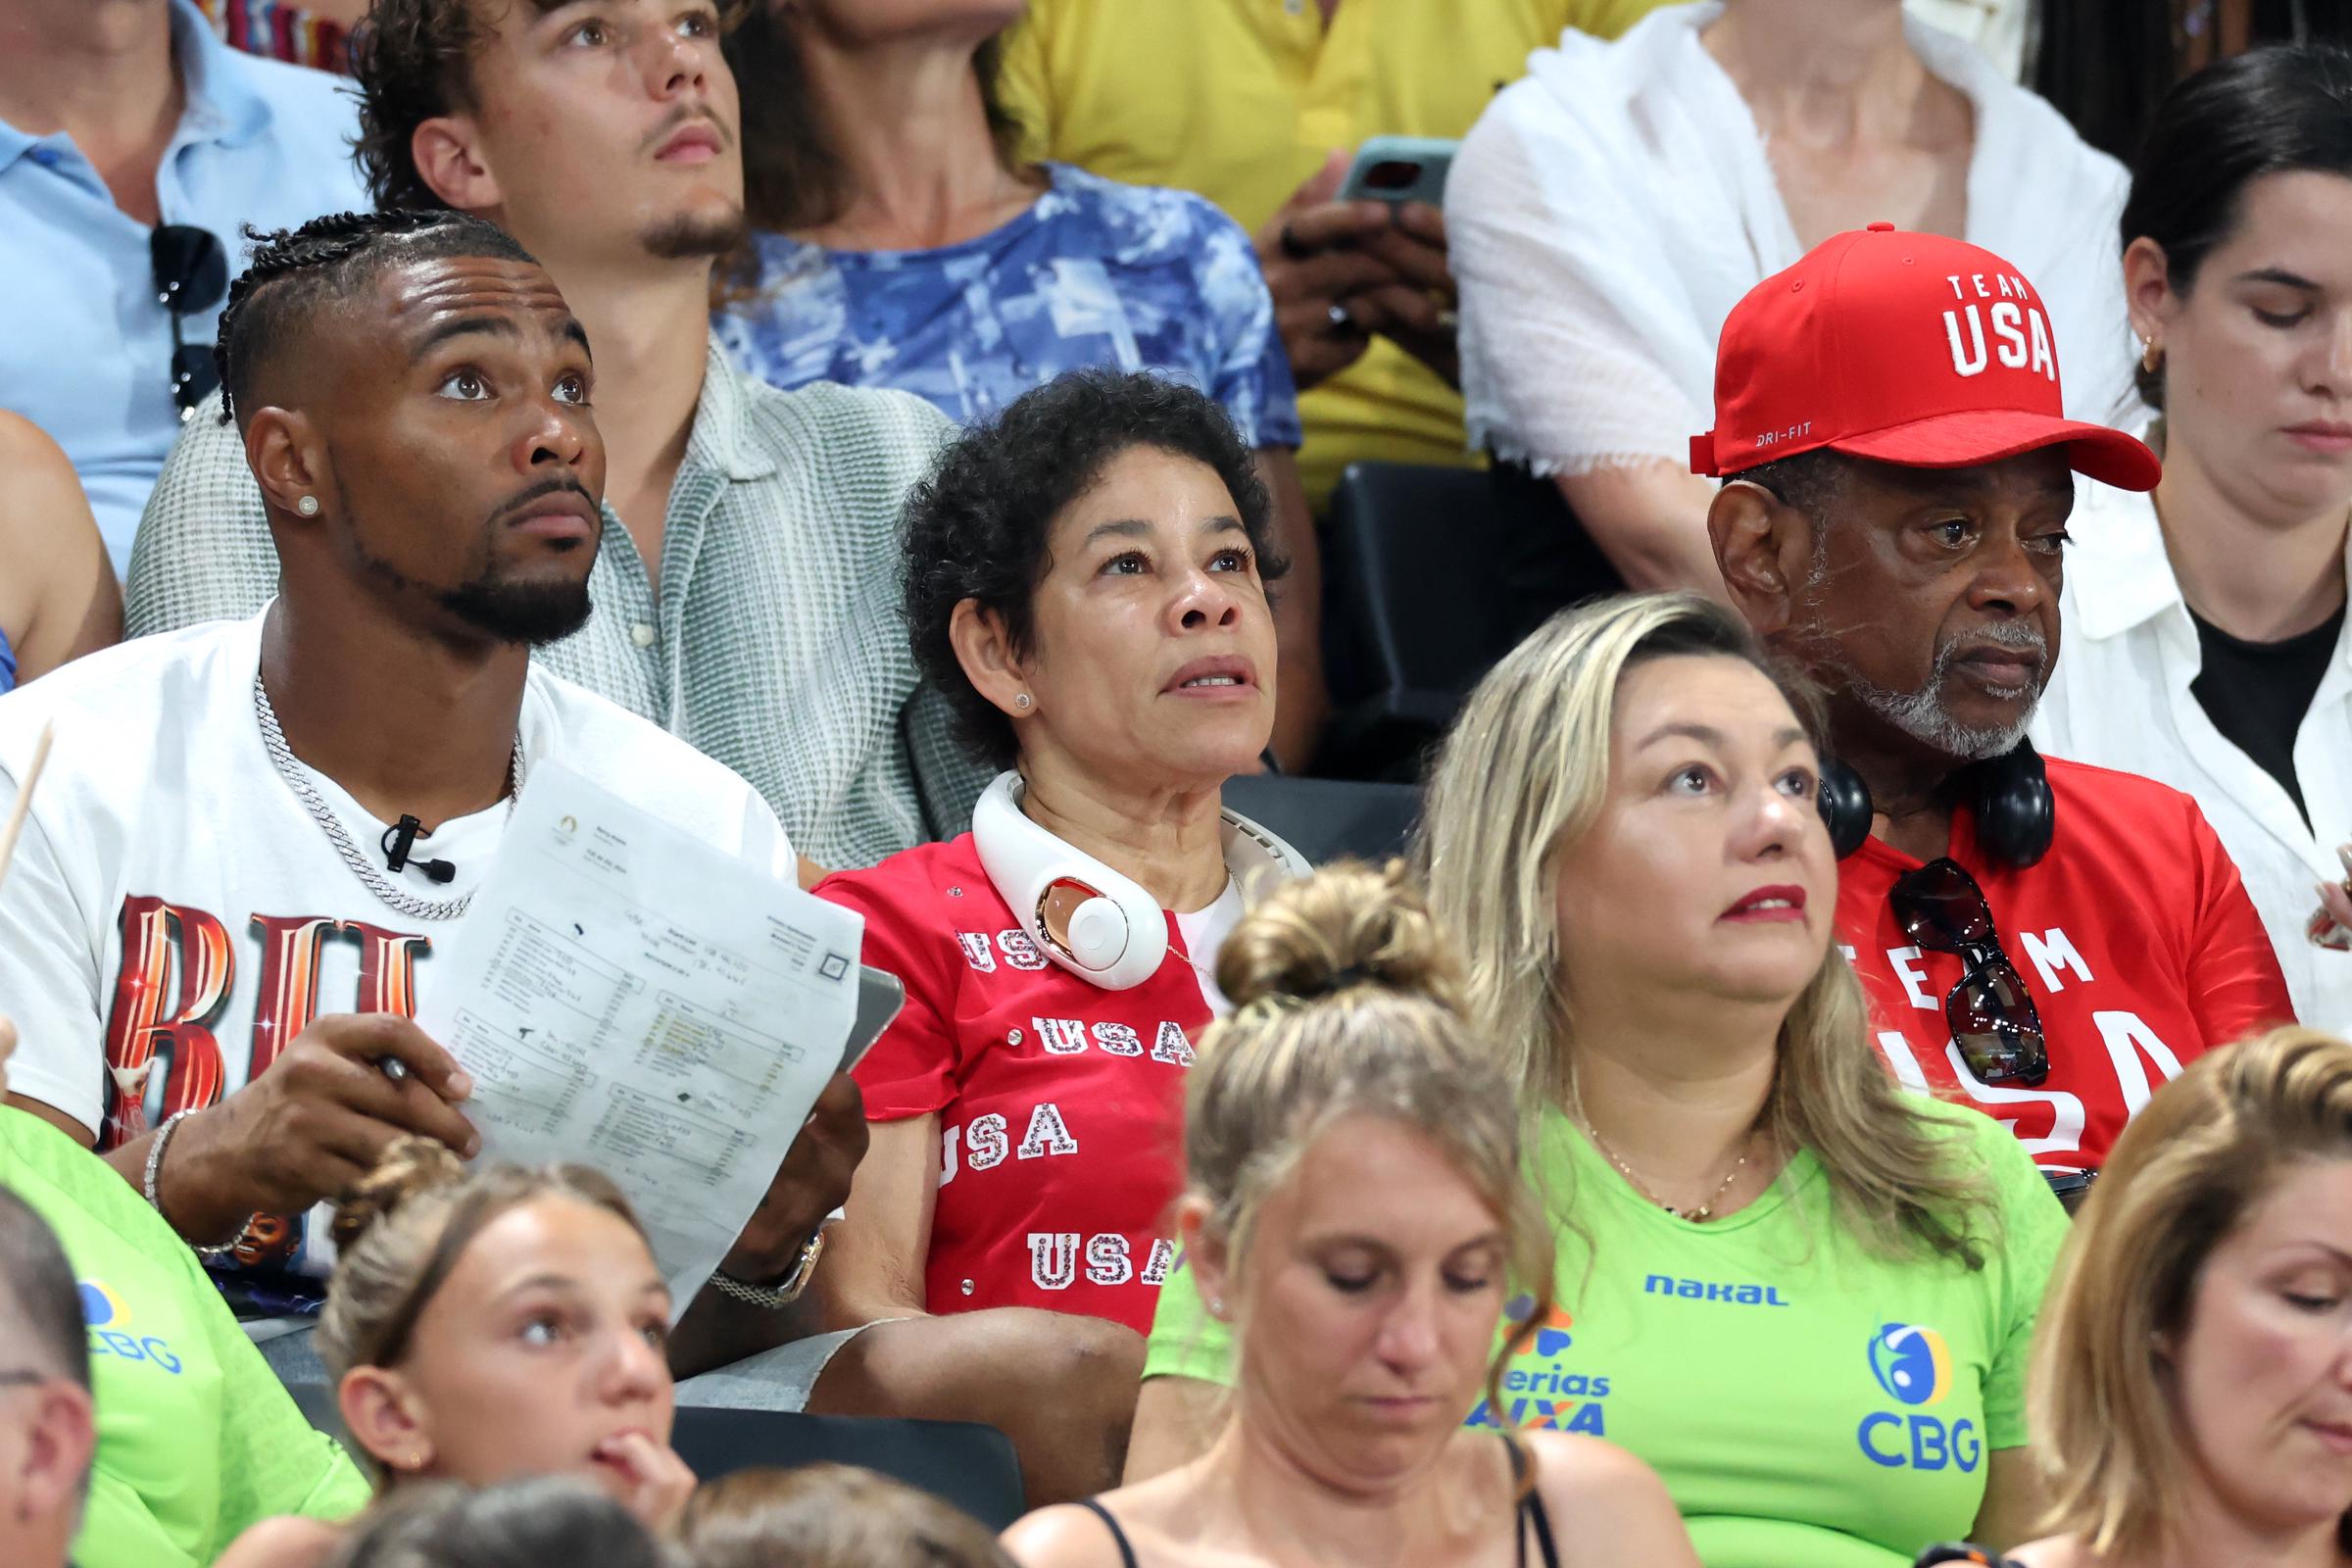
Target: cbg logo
x=103, y=1311
x=1914, y=1366
x=1912, y=1363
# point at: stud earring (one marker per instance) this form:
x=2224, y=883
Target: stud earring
x=308, y=506
x=1216, y=1306
x=1021, y=701
x=2150, y=356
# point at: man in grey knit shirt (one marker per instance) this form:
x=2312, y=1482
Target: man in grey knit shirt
x=746, y=594
x=747, y=601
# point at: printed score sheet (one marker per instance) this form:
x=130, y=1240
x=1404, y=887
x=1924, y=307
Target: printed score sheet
x=631, y=998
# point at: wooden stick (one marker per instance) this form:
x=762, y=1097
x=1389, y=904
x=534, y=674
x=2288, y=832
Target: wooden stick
x=16, y=816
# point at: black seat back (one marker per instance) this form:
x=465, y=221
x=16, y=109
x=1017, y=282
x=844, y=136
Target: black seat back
x=1431, y=575
x=969, y=1465
x=1328, y=818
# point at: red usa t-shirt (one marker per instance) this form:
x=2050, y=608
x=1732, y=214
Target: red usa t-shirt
x=1060, y=1105
x=2133, y=934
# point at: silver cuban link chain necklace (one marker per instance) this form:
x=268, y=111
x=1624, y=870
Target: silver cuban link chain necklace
x=282, y=756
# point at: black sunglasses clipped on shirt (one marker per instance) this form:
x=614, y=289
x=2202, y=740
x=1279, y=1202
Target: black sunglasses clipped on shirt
x=191, y=276
x=1991, y=1013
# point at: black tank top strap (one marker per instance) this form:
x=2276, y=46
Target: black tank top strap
x=1126, y=1552
x=1541, y=1517
x=1531, y=1513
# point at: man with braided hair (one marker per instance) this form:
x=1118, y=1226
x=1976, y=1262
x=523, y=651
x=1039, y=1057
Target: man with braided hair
x=206, y=954
x=192, y=893
x=745, y=599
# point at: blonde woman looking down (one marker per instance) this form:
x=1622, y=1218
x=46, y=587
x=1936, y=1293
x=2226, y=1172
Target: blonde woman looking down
x=1356, y=1213
x=2192, y=1385
x=1799, y=1294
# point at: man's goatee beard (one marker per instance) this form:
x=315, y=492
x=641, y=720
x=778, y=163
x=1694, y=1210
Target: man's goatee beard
x=533, y=613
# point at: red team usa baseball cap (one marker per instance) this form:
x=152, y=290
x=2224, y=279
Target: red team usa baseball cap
x=1910, y=349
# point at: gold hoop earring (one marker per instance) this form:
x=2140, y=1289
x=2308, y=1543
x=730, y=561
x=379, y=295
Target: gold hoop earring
x=2151, y=358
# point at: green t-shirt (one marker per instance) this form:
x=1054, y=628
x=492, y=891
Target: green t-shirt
x=1808, y=1405
x=197, y=1439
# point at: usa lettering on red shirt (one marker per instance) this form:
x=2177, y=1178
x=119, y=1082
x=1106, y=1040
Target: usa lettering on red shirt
x=1059, y=1103
x=2133, y=934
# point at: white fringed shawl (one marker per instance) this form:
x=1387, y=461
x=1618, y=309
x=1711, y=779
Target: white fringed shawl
x=1607, y=212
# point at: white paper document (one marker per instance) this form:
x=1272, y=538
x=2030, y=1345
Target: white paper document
x=631, y=998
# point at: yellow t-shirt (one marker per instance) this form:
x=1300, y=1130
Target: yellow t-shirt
x=1241, y=100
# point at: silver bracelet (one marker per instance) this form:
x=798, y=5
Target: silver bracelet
x=155, y=1166
x=775, y=1298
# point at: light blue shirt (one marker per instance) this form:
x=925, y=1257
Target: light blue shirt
x=85, y=347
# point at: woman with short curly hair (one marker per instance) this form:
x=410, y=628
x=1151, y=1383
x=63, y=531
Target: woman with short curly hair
x=1087, y=580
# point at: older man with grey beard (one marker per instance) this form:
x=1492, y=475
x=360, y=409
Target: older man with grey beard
x=2052, y=940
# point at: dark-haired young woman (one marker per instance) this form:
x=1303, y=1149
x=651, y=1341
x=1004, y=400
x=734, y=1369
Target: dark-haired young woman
x=2206, y=639
x=897, y=243
x=1087, y=579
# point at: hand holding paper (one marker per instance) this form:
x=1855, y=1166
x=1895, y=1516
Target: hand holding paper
x=628, y=997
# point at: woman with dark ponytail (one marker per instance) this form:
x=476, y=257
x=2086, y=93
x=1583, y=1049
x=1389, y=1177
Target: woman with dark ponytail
x=2206, y=638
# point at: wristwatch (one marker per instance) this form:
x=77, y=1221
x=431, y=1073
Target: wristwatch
x=775, y=1298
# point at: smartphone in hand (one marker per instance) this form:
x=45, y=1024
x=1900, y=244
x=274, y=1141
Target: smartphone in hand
x=1401, y=168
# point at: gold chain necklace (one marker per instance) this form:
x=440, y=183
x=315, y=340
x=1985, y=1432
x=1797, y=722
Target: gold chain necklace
x=1703, y=1211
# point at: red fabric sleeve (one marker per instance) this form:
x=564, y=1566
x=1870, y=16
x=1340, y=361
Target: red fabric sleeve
x=910, y=1071
x=2236, y=986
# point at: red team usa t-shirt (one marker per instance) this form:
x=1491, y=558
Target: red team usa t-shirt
x=2133, y=934
x=1060, y=1105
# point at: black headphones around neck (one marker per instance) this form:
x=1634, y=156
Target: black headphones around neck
x=2008, y=796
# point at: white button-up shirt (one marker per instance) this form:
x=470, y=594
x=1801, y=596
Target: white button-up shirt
x=2119, y=699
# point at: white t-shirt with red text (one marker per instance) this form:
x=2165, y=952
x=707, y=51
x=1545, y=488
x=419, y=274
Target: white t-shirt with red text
x=175, y=915
x=2133, y=934
x=1060, y=1104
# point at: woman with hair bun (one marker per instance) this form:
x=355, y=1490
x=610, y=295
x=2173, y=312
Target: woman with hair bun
x=2192, y=1384
x=492, y=1323
x=1356, y=1214
x=1801, y=1293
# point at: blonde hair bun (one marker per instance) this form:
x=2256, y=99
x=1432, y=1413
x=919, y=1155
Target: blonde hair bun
x=409, y=1165
x=1349, y=924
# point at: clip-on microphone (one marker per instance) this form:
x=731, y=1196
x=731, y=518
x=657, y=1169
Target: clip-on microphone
x=399, y=843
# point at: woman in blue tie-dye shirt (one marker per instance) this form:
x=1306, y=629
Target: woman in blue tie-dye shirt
x=899, y=243
x=58, y=595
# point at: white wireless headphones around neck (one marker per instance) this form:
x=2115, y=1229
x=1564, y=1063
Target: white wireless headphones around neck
x=1117, y=937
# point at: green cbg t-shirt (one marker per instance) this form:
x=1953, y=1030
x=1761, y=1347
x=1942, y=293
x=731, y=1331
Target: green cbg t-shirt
x=197, y=1439
x=1808, y=1404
